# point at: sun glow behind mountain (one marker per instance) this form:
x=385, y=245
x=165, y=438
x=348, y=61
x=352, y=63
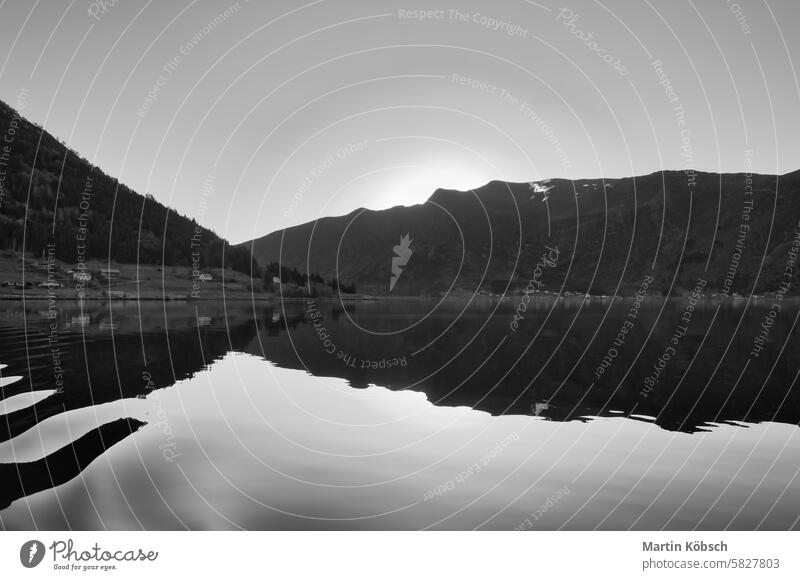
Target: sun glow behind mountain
x=410, y=185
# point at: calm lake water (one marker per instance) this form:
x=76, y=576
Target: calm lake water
x=400, y=415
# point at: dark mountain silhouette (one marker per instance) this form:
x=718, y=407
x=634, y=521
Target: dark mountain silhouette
x=676, y=225
x=49, y=194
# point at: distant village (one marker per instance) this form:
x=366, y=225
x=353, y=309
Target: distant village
x=94, y=280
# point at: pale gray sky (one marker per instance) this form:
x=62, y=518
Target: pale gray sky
x=288, y=111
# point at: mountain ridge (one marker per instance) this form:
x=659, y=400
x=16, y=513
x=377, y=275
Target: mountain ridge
x=615, y=229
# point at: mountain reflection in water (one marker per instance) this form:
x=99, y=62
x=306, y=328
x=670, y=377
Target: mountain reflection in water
x=103, y=373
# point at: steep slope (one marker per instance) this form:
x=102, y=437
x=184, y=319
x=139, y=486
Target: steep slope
x=676, y=226
x=49, y=194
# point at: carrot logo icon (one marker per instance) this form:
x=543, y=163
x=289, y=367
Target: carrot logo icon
x=402, y=255
x=31, y=553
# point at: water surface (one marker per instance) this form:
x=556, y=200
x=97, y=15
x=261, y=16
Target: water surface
x=403, y=414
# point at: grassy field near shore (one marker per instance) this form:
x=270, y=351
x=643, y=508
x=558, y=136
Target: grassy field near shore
x=26, y=276
x=36, y=279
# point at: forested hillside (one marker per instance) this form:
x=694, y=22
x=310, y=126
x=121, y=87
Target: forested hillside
x=49, y=194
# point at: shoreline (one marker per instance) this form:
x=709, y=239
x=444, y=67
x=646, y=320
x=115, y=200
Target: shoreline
x=45, y=298
x=238, y=297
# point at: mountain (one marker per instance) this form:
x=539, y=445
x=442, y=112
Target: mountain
x=734, y=231
x=50, y=195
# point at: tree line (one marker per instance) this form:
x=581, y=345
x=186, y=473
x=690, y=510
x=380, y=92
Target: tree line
x=45, y=200
x=294, y=276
